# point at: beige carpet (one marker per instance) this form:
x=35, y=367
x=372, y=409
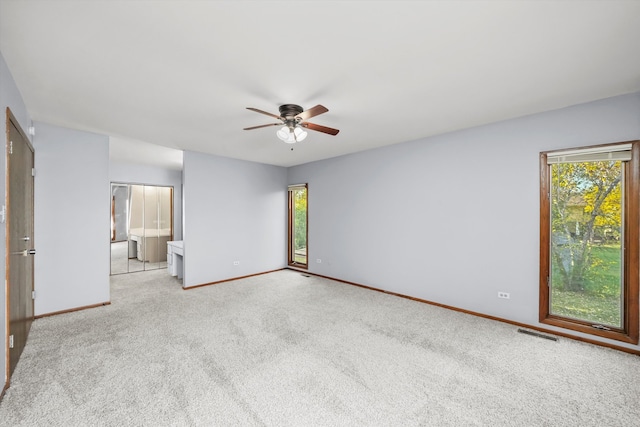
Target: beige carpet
x=283, y=349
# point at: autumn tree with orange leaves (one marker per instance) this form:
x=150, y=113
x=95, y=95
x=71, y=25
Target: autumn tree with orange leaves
x=586, y=210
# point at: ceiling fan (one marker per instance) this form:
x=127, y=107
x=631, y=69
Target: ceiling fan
x=292, y=119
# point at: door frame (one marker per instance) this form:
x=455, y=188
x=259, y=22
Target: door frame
x=11, y=120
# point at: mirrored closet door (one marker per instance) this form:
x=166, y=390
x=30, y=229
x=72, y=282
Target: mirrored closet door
x=141, y=226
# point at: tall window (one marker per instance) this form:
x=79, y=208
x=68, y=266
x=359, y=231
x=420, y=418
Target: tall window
x=297, y=247
x=589, y=240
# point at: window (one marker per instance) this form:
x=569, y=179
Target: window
x=589, y=220
x=297, y=247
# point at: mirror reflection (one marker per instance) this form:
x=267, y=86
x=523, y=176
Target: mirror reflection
x=141, y=226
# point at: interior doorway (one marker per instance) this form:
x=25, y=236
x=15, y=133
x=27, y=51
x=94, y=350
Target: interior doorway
x=20, y=249
x=141, y=226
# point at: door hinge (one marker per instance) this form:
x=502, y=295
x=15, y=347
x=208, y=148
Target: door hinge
x=33, y=294
x=10, y=147
x=10, y=341
x=3, y=214
x=547, y=280
x=33, y=171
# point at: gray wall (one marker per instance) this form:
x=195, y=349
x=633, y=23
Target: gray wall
x=72, y=214
x=11, y=98
x=233, y=210
x=453, y=218
x=152, y=175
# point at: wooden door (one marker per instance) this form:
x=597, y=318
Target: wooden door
x=19, y=239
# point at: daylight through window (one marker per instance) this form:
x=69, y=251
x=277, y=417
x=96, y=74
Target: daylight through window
x=297, y=247
x=589, y=240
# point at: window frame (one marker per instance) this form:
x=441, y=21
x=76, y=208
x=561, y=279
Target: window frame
x=631, y=256
x=291, y=261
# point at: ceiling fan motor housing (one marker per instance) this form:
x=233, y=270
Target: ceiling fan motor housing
x=289, y=111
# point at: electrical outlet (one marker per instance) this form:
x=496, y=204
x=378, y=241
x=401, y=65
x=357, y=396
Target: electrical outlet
x=319, y=261
x=236, y=262
x=504, y=295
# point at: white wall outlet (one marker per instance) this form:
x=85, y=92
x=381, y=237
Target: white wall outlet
x=236, y=262
x=504, y=295
x=319, y=261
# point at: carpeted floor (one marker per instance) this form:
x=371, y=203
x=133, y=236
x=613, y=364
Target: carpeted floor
x=283, y=349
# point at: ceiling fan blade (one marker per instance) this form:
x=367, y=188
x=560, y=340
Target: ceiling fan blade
x=319, y=128
x=312, y=112
x=263, y=126
x=264, y=112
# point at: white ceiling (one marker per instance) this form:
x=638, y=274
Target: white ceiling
x=180, y=74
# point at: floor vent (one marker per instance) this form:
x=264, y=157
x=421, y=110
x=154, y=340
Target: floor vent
x=536, y=334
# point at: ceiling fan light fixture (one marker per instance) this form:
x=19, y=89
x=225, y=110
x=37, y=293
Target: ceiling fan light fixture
x=284, y=133
x=291, y=139
x=299, y=133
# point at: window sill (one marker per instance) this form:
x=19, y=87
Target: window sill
x=613, y=334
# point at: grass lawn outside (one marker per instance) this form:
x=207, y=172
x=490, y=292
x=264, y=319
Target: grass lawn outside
x=600, y=302
x=585, y=306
